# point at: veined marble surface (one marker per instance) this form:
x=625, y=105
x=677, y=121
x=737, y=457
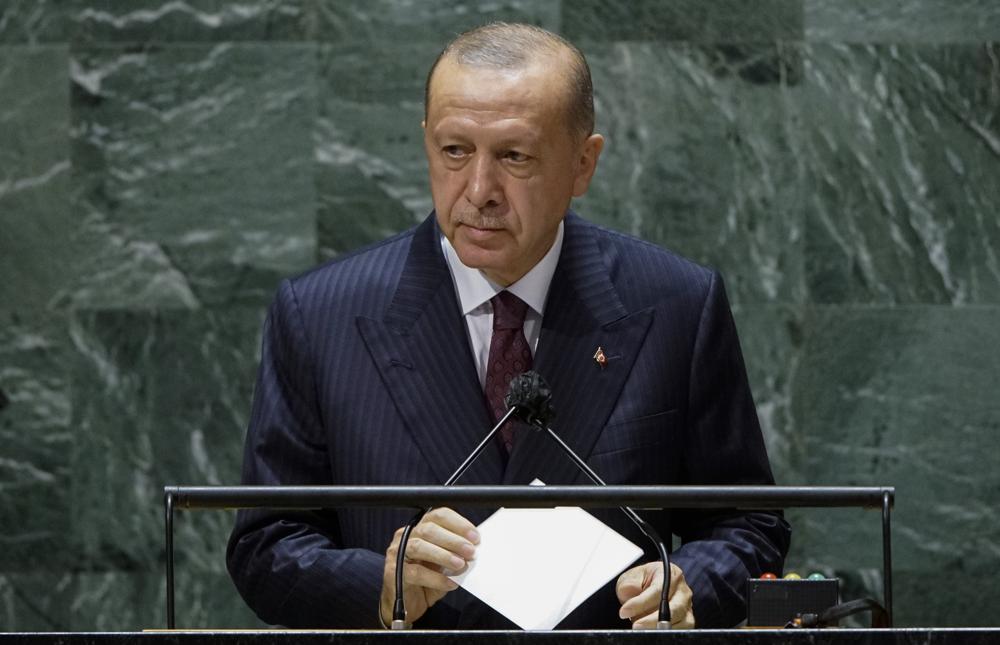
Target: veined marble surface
x=164, y=163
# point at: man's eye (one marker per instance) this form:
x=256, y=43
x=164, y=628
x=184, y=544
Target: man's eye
x=455, y=152
x=516, y=157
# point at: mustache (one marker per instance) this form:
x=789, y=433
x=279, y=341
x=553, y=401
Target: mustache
x=485, y=219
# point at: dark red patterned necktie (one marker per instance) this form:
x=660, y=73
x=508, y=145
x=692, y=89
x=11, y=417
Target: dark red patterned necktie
x=509, y=356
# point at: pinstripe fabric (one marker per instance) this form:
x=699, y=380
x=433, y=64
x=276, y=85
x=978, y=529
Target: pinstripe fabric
x=366, y=378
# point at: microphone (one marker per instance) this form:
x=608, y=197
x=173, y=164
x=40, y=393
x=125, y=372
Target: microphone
x=530, y=399
x=398, y=609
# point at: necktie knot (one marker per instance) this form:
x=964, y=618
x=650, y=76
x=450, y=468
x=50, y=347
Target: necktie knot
x=508, y=311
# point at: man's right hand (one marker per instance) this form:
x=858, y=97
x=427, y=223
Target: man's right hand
x=442, y=541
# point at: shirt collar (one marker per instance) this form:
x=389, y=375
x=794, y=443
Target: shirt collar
x=475, y=289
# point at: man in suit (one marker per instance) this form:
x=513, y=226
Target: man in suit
x=385, y=367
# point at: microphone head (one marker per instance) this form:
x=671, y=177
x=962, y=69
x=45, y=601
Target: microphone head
x=531, y=398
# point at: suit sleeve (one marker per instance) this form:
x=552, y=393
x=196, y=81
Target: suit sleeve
x=724, y=446
x=288, y=566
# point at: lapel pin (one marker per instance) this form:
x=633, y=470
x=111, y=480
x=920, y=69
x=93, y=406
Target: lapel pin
x=600, y=358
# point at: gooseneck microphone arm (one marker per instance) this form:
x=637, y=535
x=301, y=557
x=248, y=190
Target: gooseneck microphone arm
x=531, y=397
x=398, y=608
x=663, y=620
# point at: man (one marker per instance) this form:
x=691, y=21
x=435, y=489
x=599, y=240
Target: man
x=374, y=368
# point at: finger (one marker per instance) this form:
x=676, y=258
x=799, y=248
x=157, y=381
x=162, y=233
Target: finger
x=649, y=598
x=440, y=536
x=681, y=604
x=647, y=621
x=425, y=552
x=650, y=620
x=417, y=575
x=686, y=623
x=453, y=522
x=676, y=578
x=630, y=583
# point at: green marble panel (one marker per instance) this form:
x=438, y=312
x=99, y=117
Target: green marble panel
x=925, y=230
x=902, y=151
x=34, y=21
x=905, y=397
x=393, y=22
x=719, y=21
x=37, y=255
x=772, y=338
x=150, y=21
x=120, y=601
x=37, y=442
x=371, y=176
x=892, y=21
x=159, y=399
x=193, y=172
x=698, y=158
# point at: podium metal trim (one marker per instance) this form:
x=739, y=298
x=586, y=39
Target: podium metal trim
x=642, y=497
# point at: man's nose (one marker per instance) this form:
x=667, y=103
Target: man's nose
x=483, y=189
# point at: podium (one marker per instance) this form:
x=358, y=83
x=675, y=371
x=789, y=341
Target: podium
x=694, y=637
x=748, y=498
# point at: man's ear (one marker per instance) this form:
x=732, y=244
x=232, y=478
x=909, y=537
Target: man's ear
x=590, y=152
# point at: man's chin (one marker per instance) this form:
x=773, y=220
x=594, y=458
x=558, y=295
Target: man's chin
x=491, y=263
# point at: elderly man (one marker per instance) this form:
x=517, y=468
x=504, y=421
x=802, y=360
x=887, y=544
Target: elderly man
x=387, y=367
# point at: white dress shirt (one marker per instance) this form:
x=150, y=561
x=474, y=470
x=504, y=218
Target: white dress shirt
x=474, y=291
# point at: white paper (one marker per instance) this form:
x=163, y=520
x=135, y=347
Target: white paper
x=536, y=565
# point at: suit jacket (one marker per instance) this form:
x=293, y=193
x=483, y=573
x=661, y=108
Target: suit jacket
x=366, y=377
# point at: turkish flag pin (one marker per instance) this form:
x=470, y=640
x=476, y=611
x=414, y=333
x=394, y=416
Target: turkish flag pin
x=600, y=358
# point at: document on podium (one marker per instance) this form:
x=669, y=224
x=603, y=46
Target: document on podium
x=536, y=565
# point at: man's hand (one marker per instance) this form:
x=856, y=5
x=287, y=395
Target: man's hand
x=639, y=589
x=442, y=541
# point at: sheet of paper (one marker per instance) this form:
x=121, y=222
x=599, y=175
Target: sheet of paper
x=535, y=565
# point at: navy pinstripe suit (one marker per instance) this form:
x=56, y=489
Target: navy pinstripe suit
x=366, y=377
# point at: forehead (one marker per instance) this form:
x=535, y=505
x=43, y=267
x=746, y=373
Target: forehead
x=535, y=93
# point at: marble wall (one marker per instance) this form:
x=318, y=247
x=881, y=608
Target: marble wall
x=163, y=164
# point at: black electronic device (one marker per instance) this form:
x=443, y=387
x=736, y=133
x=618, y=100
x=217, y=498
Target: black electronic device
x=776, y=602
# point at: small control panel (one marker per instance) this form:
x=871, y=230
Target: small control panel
x=774, y=602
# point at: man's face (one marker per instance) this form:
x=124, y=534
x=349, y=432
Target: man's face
x=504, y=164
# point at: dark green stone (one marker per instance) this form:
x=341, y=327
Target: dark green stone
x=371, y=174
x=698, y=158
x=35, y=21
x=37, y=252
x=719, y=21
x=381, y=23
x=772, y=337
x=904, y=397
x=121, y=600
x=36, y=484
x=151, y=21
x=159, y=399
x=891, y=21
x=192, y=173
x=901, y=149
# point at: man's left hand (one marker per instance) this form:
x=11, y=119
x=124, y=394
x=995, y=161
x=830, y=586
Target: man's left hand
x=639, y=590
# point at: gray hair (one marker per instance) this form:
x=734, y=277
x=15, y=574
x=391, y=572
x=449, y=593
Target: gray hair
x=502, y=45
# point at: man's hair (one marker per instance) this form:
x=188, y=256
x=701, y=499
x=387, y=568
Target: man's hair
x=507, y=46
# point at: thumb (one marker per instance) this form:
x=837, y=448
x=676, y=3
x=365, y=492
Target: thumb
x=630, y=584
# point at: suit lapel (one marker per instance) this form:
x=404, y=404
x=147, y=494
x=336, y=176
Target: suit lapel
x=583, y=313
x=421, y=350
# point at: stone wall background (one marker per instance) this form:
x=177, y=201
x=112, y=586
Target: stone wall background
x=163, y=164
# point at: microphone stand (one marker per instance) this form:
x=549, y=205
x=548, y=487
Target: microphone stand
x=530, y=399
x=531, y=396
x=398, y=609
x=663, y=620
